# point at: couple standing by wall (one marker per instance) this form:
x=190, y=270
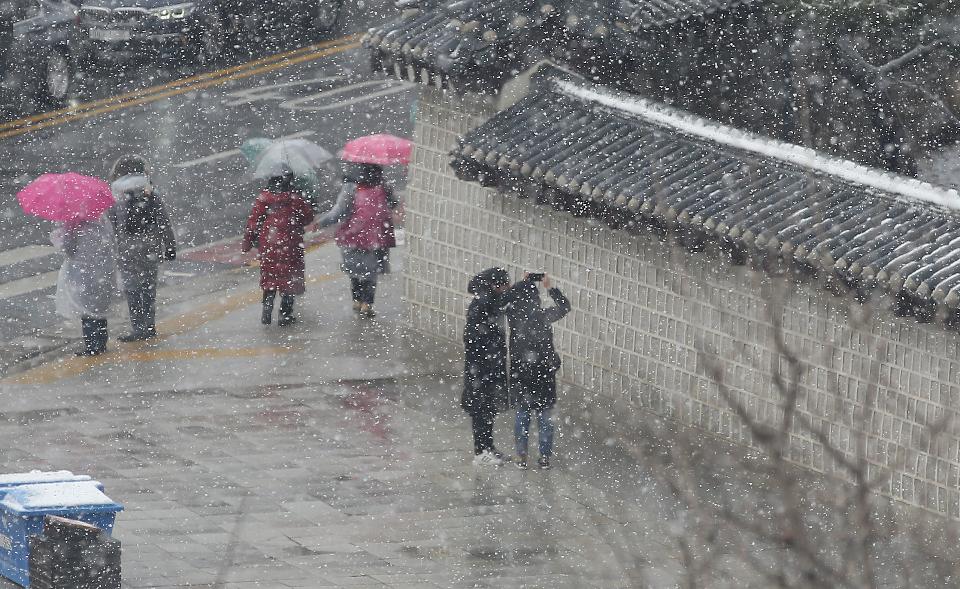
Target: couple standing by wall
x=522, y=376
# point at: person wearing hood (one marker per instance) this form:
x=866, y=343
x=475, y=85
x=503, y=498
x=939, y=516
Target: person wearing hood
x=533, y=361
x=87, y=281
x=144, y=239
x=485, y=361
x=275, y=227
x=365, y=235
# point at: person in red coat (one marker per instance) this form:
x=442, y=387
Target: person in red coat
x=275, y=227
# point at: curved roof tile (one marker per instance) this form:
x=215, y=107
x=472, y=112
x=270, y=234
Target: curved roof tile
x=638, y=163
x=469, y=40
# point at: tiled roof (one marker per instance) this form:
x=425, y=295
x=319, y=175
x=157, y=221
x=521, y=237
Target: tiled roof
x=478, y=42
x=647, y=14
x=640, y=164
x=463, y=41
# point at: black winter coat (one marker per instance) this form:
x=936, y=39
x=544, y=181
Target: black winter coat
x=533, y=359
x=485, y=354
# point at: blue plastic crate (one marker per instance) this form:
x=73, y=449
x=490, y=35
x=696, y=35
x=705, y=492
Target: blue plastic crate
x=21, y=515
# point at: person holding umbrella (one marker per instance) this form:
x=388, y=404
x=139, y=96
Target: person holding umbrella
x=306, y=160
x=144, y=238
x=87, y=281
x=276, y=227
x=364, y=211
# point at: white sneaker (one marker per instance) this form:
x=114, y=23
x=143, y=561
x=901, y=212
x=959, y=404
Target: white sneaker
x=487, y=458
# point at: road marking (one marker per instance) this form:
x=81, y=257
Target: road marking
x=16, y=288
x=262, y=93
x=222, y=155
x=180, y=82
x=272, y=92
x=199, y=354
x=223, y=305
x=296, y=103
x=134, y=93
x=179, y=87
x=26, y=253
x=74, y=366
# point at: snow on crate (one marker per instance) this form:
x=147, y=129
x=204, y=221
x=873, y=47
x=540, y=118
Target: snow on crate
x=64, y=495
x=40, y=476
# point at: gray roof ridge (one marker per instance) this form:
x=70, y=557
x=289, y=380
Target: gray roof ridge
x=797, y=155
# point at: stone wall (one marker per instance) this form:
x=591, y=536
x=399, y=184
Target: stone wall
x=642, y=308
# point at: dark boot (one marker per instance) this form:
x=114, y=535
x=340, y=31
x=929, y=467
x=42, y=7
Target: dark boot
x=94, y=336
x=135, y=305
x=285, y=317
x=150, y=311
x=268, y=298
x=102, y=336
x=368, y=290
x=357, y=292
x=140, y=303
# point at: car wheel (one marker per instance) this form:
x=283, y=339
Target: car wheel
x=57, y=77
x=327, y=15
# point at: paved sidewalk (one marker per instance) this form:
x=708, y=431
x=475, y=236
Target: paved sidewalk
x=329, y=454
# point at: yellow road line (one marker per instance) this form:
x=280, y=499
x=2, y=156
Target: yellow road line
x=153, y=97
x=76, y=365
x=146, y=352
x=180, y=82
x=198, y=354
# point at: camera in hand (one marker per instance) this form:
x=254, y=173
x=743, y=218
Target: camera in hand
x=536, y=276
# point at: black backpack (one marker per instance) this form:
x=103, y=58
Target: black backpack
x=141, y=212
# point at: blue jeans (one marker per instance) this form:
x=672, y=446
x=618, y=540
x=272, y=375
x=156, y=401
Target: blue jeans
x=521, y=430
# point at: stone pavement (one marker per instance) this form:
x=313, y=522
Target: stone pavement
x=329, y=454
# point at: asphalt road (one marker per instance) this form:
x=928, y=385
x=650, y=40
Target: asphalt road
x=189, y=124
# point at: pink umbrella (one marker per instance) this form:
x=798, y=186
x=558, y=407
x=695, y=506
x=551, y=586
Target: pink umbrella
x=382, y=149
x=66, y=197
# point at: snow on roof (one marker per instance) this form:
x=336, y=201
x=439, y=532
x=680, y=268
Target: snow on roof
x=794, y=154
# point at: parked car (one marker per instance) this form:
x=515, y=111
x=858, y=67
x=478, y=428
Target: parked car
x=117, y=31
x=35, y=52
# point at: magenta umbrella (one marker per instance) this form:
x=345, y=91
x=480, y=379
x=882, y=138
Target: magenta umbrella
x=66, y=197
x=383, y=149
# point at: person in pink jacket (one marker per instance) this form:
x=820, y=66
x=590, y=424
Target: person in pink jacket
x=365, y=235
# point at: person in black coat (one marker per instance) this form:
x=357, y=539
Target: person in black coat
x=485, y=361
x=533, y=361
x=144, y=237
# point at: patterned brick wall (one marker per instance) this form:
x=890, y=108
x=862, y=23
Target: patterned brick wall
x=642, y=308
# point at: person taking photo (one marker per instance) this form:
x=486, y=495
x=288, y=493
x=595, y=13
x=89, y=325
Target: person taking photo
x=533, y=361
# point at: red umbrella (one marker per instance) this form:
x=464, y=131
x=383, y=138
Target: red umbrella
x=66, y=197
x=382, y=149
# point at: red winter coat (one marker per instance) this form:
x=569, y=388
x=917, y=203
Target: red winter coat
x=279, y=239
x=370, y=226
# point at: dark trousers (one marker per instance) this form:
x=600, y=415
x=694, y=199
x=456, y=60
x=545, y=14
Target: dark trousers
x=482, y=431
x=363, y=290
x=142, y=304
x=286, y=306
x=94, y=333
